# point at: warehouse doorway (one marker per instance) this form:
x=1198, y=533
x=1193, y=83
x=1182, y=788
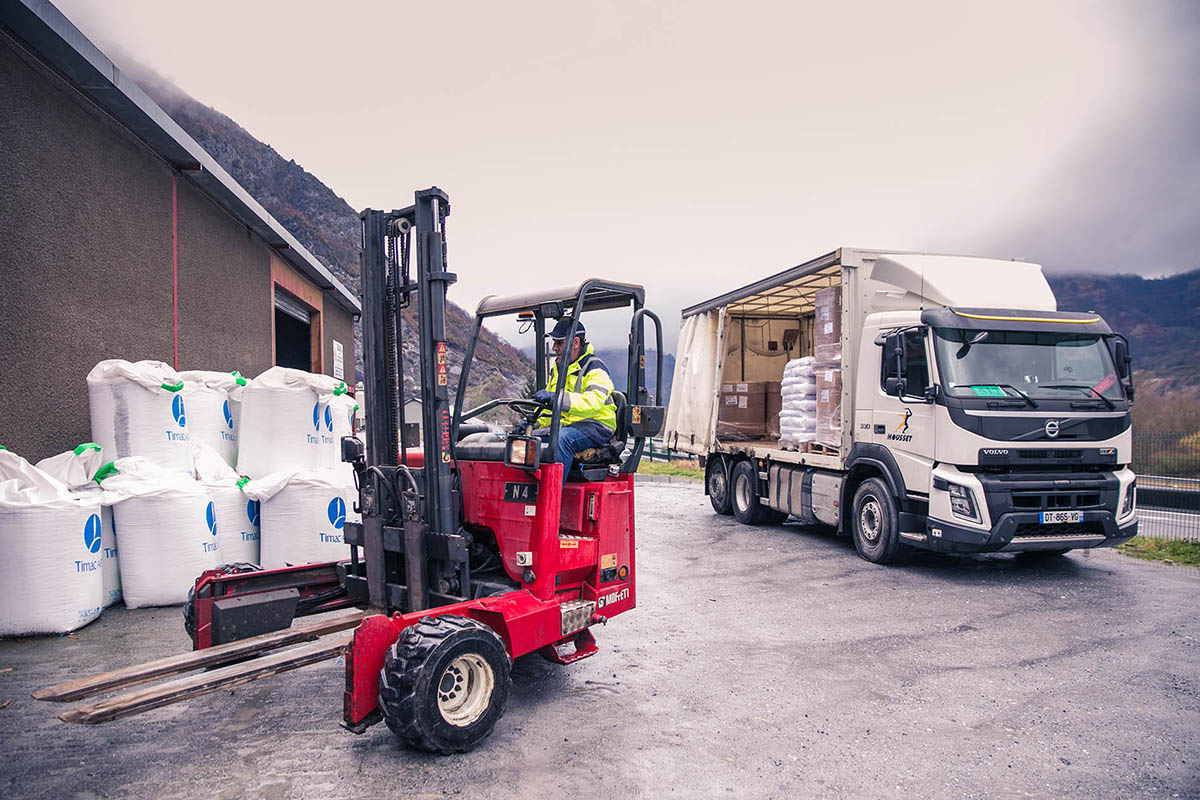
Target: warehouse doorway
x=293, y=332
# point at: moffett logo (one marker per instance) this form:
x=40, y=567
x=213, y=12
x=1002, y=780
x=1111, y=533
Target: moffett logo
x=177, y=411
x=1052, y=428
x=337, y=512
x=228, y=416
x=91, y=533
x=210, y=515
x=252, y=512
x=317, y=418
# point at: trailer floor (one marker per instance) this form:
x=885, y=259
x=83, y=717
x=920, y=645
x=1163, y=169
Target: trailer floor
x=766, y=662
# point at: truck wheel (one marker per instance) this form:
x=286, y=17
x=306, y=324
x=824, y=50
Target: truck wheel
x=717, y=483
x=876, y=524
x=743, y=483
x=444, y=684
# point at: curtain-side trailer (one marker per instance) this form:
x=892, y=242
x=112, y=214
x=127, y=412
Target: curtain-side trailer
x=969, y=414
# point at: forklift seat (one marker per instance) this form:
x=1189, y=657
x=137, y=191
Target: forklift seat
x=593, y=463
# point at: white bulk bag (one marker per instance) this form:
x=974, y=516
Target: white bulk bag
x=302, y=516
x=210, y=410
x=166, y=532
x=79, y=470
x=286, y=422
x=236, y=515
x=50, y=553
x=137, y=410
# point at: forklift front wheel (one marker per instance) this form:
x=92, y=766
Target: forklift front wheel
x=444, y=684
x=716, y=480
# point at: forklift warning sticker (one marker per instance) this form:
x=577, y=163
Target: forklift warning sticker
x=568, y=544
x=608, y=561
x=441, y=364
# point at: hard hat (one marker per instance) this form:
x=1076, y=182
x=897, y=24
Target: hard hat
x=563, y=327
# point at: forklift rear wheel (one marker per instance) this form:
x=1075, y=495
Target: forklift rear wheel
x=444, y=684
x=876, y=524
x=744, y=496
x=717, y=482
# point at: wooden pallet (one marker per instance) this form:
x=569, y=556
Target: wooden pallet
x=822, y=449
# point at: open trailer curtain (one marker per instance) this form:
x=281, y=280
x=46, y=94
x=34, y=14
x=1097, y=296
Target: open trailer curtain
x=694, y=387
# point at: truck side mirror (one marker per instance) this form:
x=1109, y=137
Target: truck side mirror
x=1121, y=357
x=895, y=352
x=895, y=386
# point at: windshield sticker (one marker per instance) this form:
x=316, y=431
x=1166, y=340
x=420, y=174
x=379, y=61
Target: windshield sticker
x=988, y=391
x=1108, y=381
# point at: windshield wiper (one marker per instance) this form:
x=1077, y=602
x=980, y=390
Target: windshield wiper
x=1086, y=388
x=1025, y=397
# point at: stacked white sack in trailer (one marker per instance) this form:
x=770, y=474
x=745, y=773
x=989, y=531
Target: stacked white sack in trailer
x=287, y=422
x=81, y=470
x=51, y=578
x=138, y=409
x=798, y=413
x=236, y=514
x=210, y=406
x=166, y=531
x=302, y=516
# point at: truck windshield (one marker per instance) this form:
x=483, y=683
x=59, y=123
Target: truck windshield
x=1021, y=365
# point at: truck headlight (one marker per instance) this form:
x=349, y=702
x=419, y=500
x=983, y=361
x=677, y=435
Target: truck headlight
x=1128, y=503
x=962, y=502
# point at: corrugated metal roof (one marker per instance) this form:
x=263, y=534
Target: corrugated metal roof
x=50, y=36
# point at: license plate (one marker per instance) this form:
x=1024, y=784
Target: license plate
x=520, y=492
x=1052, y=517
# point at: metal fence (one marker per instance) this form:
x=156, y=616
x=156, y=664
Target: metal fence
x=1158, y=453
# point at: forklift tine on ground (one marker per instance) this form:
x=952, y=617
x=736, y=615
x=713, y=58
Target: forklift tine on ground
x=185, y=662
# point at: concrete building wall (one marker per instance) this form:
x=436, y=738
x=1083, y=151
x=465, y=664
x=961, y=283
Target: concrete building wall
x=86, y=263
x=85, y=256
x=225, y=310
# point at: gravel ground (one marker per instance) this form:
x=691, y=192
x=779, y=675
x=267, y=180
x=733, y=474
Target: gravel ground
x=769, y=662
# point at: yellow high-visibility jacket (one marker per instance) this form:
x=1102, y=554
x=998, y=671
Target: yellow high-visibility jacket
x=586, y=393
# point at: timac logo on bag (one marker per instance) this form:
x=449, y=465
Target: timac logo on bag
x=252, y=512
x=337, y=512
x=210, y=516
x=178, y=412
x=91, y=533
x=228, y=415
x=317, y=418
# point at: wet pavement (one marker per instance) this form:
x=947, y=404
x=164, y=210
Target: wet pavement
x=760, y=662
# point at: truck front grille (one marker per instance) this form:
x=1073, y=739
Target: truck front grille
x=1049, y=501
x=1033, y=529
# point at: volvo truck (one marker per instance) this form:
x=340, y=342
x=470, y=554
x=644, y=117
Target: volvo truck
x=974, y=416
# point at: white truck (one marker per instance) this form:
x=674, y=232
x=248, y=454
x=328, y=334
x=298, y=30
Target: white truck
x=973, y=415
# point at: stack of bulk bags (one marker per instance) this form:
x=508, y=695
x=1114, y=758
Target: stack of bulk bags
x=137, y=410
x=798, y=414
x=236, y=515
x=827, y=339
x=211, y=417
x=51, y=578
x=80, y=470
x=302, y=516
x=287, y=422
x=166, y=531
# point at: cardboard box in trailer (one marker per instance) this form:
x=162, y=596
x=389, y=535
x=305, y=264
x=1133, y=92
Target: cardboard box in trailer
x=957, y=409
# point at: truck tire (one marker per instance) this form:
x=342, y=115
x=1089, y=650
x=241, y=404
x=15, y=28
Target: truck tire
x=444, y=684
x=876, y=524
x=743, y=484
x=716, y=481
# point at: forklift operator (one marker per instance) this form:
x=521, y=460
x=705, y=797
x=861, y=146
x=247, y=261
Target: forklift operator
x=589, y=417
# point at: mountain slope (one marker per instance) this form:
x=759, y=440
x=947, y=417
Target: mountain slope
x=326, y=224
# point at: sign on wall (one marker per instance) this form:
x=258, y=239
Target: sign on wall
x=338, y=370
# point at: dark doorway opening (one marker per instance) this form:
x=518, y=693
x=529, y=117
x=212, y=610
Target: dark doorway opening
x=293, y=341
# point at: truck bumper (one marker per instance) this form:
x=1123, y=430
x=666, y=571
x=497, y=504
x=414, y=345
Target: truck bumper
x=1021, y=531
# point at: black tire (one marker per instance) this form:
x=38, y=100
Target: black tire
x=189, y=607
x=743, y=495
x=425, y=671
x=876, y=524
x=716, y=481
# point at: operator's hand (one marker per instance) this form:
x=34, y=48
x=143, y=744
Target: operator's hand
x=543, y=397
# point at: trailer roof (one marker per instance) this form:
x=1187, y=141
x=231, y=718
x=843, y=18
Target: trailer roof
x=787, y=293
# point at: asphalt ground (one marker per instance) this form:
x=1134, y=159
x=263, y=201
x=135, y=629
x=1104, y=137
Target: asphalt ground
x=766, y=662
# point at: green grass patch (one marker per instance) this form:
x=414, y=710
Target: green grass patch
x=683, y=469
x=1173, y=551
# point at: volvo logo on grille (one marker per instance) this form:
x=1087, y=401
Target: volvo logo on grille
x=1052, y=428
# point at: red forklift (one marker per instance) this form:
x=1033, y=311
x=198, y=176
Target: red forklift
x=471, y=552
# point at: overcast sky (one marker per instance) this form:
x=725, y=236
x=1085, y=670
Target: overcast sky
x=694, y=146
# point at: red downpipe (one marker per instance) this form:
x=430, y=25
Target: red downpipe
x=175, y=269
